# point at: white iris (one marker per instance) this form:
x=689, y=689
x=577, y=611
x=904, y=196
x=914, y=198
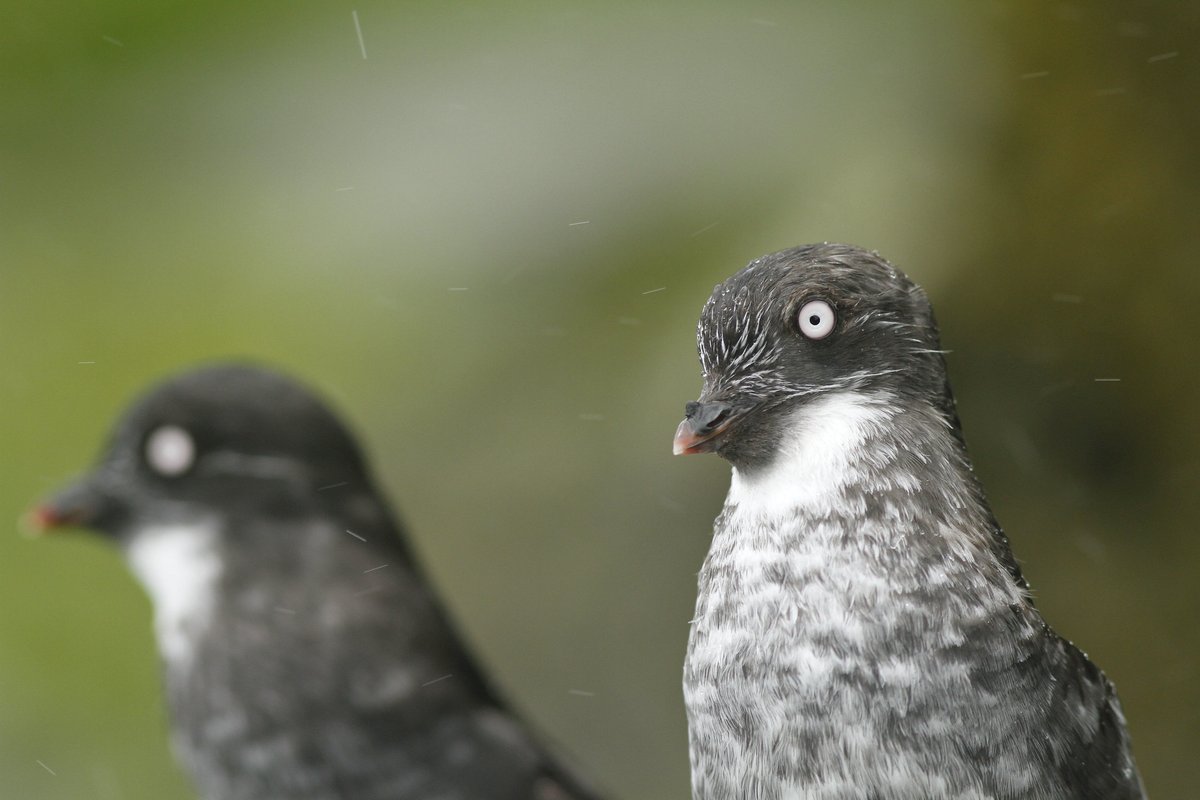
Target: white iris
x=816, y=319
x=170, y=450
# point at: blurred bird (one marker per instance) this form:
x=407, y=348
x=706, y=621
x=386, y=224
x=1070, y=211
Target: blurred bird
x=862, y=628
x=305, y=655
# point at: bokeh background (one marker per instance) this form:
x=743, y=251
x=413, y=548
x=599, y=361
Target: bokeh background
x=485, y=232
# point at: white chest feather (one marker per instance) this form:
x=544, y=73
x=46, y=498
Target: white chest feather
x=179, y=568
x=814, y=462
x=821, y=613
x=762, y=580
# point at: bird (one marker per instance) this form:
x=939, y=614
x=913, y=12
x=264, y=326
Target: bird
x=862, y=629
x=305, y=654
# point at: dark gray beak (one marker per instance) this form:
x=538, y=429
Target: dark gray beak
x=702, y=425
x=81, y=504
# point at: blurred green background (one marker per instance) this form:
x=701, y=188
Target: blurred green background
x=488, y=241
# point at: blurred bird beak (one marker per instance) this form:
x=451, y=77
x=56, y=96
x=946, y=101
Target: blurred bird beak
x=76, y=506
x=703, y=423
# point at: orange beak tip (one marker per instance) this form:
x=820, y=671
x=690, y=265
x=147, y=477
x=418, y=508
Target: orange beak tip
x=37, y=521
x=680, y=446
x=687, y=443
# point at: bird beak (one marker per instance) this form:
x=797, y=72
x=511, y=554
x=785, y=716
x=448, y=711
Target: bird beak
x=702, y=424
x=79, y=505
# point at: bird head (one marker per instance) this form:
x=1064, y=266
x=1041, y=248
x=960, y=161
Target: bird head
x=800, y=325
x=204, y=445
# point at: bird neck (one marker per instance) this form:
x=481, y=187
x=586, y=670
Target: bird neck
x=179, y=565
x=880, y=486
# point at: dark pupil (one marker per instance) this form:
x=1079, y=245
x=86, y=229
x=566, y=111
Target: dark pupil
x=815, y=319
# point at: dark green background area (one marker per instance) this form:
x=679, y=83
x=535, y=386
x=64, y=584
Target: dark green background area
x=487, y=243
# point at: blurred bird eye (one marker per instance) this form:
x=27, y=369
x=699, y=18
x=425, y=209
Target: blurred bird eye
x=816, y=319
x=170, y=451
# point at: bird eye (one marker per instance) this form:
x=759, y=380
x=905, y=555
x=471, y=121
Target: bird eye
x=170, y=451
x=816, y=319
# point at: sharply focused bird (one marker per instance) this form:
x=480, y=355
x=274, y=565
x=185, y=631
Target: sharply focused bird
x=305, y=655
x=862, y=629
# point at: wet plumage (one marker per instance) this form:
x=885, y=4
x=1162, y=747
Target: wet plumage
x=305, y=655
x=862, y=629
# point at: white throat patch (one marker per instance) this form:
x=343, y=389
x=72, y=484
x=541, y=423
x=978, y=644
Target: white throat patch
x=814, y=456
x=179, y=567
